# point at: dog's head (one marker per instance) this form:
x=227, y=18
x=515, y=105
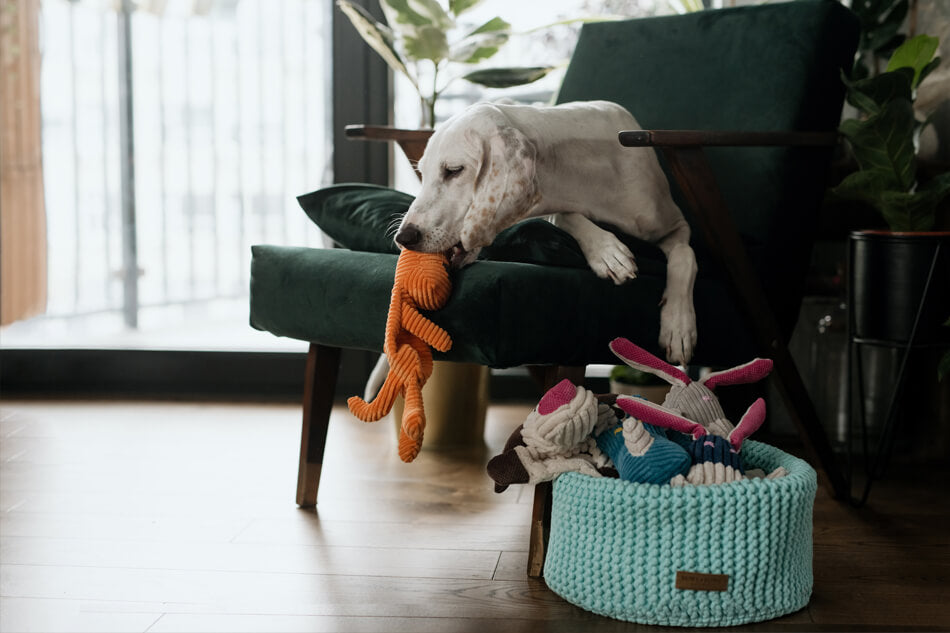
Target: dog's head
x=478, y=178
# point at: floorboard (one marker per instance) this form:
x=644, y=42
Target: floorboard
x=165, y=516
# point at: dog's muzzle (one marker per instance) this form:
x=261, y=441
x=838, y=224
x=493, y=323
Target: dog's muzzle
x=408, y=236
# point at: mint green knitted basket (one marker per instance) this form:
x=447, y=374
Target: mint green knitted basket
x=744, y=549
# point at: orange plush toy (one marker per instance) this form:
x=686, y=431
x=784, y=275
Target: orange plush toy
x=422, y=282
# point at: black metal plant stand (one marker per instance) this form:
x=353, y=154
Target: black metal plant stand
x=875, y=468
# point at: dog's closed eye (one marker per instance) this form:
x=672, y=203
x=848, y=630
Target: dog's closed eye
x=451, y=172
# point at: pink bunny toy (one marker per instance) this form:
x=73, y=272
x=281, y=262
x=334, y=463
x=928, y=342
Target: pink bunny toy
x=693, y=399
x=715, y=458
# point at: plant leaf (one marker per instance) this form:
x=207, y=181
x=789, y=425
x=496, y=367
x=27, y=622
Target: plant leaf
x=871, y=94
x=429, y=42
x=494, y=25
x=938, y=186
x=863, y=185
x=481, y=43
x=458, y=7
x=474, y=49
x=870, y=9
x=905, y=211
x=884, y=142
x=378, y=36
x=507, y=77
x=433, y=11
x=880, y=21
x=857, y=96
x=402, y=17
x=915, y=54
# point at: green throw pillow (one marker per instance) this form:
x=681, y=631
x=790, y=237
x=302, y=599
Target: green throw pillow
x=363, y=217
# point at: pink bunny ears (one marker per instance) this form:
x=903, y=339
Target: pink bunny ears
x=639, y=358
x=556, y=397
x=656, y=415
x=753, y=371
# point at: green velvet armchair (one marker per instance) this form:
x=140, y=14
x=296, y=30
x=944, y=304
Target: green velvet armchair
x=741, y=104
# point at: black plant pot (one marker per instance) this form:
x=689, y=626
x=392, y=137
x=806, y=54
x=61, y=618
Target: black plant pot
x=889, y=272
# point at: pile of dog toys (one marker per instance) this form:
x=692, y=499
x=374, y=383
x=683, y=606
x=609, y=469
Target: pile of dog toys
x=686, y=440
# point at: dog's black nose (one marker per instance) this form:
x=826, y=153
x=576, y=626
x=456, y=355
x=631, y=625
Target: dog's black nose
x=408, y=236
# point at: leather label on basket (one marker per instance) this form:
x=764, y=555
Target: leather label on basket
x=695, y=581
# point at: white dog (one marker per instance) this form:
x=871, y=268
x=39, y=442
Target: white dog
x=492, y=166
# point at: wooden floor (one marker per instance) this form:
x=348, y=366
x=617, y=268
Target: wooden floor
x=127, y=516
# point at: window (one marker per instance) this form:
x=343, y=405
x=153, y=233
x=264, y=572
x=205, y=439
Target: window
x=230, y=121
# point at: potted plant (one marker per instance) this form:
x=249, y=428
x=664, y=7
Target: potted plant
x=424, y=36
x=891, y=268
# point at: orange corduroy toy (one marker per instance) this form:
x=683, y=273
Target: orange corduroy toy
x=421, y=282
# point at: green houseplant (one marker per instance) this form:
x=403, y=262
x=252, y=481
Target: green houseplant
x=883, y=140
x=892, y=269
x=423, y=41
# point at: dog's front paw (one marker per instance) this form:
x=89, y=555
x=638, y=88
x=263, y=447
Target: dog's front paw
x=678, y=332
x=606, y=255
x=610, y=258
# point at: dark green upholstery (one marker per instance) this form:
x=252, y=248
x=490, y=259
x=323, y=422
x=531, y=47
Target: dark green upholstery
x=754, y=68
x=359, y=217
x=767, y=67
x=501, y=314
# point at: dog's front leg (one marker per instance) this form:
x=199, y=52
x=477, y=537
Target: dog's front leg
x=677, y=315
x=606, y=255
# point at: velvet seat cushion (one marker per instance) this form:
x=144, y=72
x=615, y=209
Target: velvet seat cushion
x=500, y=314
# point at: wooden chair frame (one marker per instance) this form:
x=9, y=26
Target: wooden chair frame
x=684, y=152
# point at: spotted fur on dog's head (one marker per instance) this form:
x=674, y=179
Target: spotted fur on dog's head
x=478, y=178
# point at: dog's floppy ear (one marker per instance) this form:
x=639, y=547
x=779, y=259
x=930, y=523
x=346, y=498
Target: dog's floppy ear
x=505, y=187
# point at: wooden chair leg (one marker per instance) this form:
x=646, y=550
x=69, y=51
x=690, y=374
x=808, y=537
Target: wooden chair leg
x=540, y=528
x=323, y=363
x=541, y=512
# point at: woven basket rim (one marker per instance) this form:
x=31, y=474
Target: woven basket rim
x=756, y=454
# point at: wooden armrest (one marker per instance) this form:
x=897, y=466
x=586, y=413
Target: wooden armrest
x=700, y=138
x=385, y=133
x=412, y=142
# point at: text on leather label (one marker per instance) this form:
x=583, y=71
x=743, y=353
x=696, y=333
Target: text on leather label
x=695, y=581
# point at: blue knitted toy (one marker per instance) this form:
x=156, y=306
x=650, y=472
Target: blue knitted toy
x=642, y=453
x=715, y=459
